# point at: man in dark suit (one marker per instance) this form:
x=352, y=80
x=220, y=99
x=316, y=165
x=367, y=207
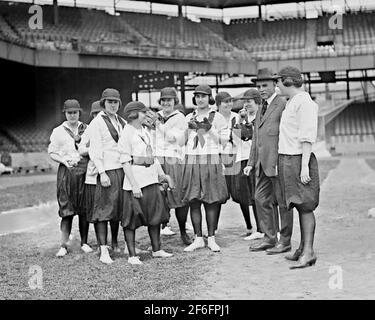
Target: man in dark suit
x=263, y=158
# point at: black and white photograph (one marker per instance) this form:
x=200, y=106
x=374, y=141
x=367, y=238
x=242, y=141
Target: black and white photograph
x=182, y=150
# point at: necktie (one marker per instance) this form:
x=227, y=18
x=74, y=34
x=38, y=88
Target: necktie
x=264, y=108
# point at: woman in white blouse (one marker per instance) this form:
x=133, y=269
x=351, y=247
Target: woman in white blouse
x=203, y=177
x=297, y=165
x=105, y=131
x=63, y=149
x=169, y=142
x=144, y=202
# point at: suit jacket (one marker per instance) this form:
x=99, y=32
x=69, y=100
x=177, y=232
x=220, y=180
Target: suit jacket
x=264, y=149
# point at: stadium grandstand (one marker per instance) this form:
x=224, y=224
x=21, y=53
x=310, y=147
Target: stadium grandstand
x=80, y=50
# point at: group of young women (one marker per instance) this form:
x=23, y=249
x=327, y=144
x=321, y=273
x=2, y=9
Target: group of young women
x=132, y=170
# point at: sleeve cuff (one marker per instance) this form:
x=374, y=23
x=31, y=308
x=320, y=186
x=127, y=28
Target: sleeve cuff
x=310, y=140
x=99, y=165
x=125, y=158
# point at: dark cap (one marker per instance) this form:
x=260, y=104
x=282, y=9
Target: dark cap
x=251, y=93
x=71, y=105
x=168, y=93
x=96, y=107
x=204, y=89
x=134, y=106
x=291, y=72
x=111, y=94
x=222, y=97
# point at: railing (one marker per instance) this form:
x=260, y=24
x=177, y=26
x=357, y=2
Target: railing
x=143, y=51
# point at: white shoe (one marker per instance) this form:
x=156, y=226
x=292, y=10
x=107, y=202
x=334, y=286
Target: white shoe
x=249, y=232
x=167, y=232
x=134, y=260
x=212, y=244
x=98, y=249
x=197, y=243
x=254, y=236
x=137, y=250
x=161, y=254
x=189, y=227
x=86, y=248
x=62, y=252
x=104, y=255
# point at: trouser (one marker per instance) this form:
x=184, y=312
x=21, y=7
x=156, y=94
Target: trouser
x=269, y=204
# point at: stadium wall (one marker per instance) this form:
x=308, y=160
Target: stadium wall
x=36, y=95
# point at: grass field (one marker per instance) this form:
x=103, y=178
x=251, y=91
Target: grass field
x=82, y=276
x=26, y=196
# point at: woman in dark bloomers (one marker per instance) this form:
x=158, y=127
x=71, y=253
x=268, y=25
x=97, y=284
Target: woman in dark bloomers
x=242, y=186
x=297, y=165
x=63, y=149
x=144, y=202
x=104, y=134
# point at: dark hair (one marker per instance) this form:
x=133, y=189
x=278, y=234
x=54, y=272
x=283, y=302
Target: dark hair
x=79, y=112
x=102, y=102
x=133, y=115
x=176, y=100
x=289, y=81
x=258, y=100
x=211, y=100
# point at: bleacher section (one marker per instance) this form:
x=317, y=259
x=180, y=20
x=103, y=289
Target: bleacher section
x=277, y=35
x=80, y=24
x=140, y=34
x=359, y=29
x=353, y=130
x=23, y=137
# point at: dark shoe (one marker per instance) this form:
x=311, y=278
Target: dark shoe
x=185, y=239
x=294, y=256
x=262, y=246
x=279, y=248
x=304, y=262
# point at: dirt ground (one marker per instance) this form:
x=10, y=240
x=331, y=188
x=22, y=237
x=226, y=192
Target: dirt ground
x=344, y=246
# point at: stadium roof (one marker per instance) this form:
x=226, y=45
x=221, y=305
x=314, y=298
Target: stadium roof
x=222, y=4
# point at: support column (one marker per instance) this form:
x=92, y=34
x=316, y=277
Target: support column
x=365, y=85
x=347, y=85
x=309, y=77
x=55, y=13
x=57, y=96
x=260, y=22
x=182, y=90
x=180, y=24
x=180, y=9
